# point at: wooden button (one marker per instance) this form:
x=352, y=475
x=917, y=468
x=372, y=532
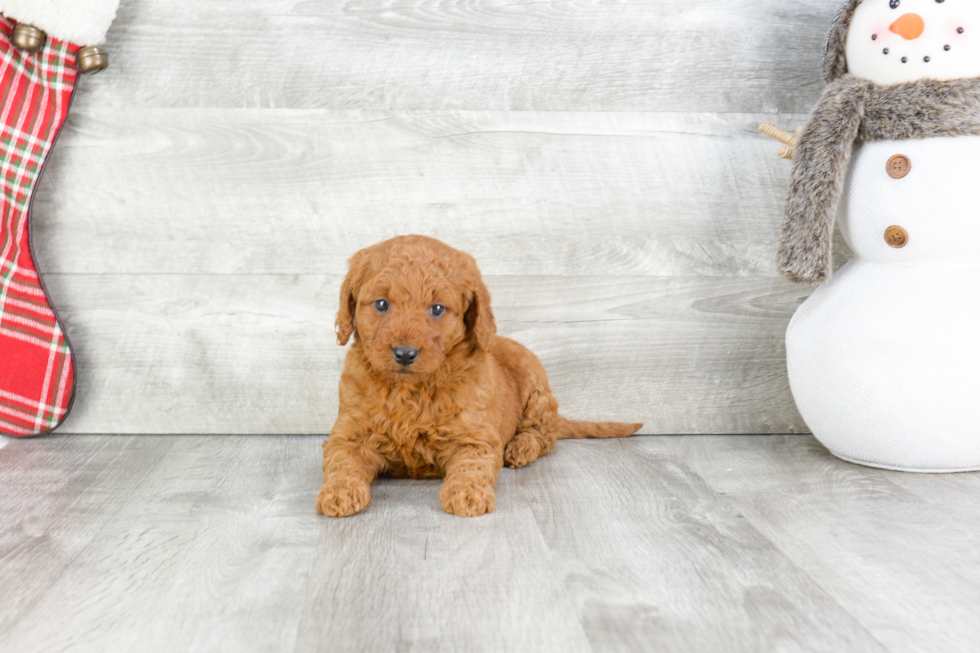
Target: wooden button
x=896, y=237
x=898, y=166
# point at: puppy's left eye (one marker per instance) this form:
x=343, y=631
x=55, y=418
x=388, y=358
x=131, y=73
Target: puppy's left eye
x=437, y=310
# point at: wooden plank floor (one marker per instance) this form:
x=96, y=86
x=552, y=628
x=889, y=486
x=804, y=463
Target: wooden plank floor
x=207, y=543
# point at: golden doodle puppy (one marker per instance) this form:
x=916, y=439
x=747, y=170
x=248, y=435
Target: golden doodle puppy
x=428, y=388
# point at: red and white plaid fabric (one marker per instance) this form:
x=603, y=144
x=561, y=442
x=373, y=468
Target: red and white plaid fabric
x=36, y=371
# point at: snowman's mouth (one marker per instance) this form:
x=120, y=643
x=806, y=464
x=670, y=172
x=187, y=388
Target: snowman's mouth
x=925, y=59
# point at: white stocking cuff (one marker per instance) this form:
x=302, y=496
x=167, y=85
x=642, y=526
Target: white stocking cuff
x=82, y=22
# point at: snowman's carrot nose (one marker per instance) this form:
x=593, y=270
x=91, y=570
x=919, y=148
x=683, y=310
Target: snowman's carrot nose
x=908, y=26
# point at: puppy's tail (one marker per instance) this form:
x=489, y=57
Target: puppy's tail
x=570, y=429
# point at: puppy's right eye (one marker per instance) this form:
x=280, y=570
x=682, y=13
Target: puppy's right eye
x=381, y=305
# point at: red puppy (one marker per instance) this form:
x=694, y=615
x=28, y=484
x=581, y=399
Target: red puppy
x=428, y=389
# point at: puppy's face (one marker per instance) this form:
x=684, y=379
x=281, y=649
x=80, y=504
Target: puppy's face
x=412, y=301
x=407, y=321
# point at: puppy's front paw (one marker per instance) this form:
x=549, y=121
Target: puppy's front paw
x=466, y=499
x=342, y=498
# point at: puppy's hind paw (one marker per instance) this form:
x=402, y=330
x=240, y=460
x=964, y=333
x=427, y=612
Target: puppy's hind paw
x=466, y=500
x=342, y=499
x=522, y=450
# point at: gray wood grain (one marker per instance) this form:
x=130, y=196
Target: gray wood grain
x=212, y=543
x=599, y=159
x=198, y=275
x=439, y=584
x=642, y=505
x=533, y=193
x=49, y=494
x=700, y=55
x=196, y=555
x=911, y=538
x=257, y=354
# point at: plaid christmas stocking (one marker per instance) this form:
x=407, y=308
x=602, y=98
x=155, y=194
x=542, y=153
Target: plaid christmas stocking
x=36, y=370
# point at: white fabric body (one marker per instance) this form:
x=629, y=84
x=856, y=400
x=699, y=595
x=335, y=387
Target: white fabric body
x=942, y=21
x=883, y=360
x=82, y=22
x=937, y=202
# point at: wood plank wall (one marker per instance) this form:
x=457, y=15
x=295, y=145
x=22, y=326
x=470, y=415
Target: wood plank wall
x=599, y=158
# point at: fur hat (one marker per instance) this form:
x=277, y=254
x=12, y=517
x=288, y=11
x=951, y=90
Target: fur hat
x=834, y=61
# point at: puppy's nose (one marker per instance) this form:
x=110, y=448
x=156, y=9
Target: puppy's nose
x=405, y=355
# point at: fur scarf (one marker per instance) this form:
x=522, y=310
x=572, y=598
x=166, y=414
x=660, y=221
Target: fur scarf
x=851, y=111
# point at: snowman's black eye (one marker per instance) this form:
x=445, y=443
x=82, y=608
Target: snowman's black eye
x=926, y=59
x=905, y=59
x=939, y=2
x=946, y=48
x=959, y=30
x=885, y=51
x=894, y=4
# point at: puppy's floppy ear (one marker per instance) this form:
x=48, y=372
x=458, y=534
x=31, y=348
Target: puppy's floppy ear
x=479, y=316
x=346, y=324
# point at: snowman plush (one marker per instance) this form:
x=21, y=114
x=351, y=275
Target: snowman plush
x=884, y=358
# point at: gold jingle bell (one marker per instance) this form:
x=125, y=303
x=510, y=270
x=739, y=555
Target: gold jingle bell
x=27, y=38
x=91, y=59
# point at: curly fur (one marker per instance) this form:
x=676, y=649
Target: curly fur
x=850, y=111
x=472, y=401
